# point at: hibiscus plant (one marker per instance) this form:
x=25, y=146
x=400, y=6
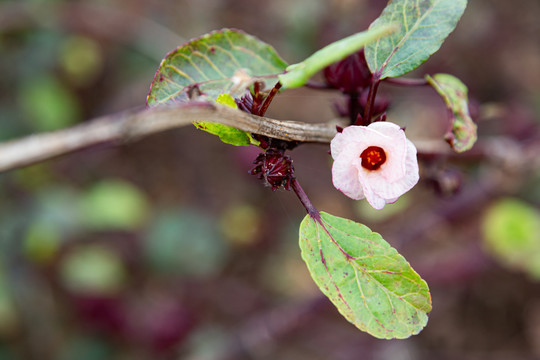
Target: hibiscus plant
x=369, y=282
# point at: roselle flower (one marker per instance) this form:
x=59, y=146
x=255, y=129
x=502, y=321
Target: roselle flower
x=376, y=162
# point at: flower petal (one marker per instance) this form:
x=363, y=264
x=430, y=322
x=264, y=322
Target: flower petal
x=373, y=199
x=349, y=135
x=386, y=128
x=391, y=190
x=345, y=176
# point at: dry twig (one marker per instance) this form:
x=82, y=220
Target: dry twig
x=131, y=125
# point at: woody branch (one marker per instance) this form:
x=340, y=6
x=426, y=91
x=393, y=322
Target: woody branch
x=132, y=125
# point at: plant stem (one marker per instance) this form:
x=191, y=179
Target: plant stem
x=256, y=96
x=311, y=210
x=354, y=107
x=316, y=215
x=406, y=82
x=368, y=111
x=269, y=99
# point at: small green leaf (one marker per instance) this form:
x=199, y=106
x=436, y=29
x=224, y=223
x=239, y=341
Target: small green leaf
x=369, y=282
x=424, y=26
x=298, y=74
x=227, y=100
x=462, y=134
x=207, y=65
x=510, y=228
x=227, y=134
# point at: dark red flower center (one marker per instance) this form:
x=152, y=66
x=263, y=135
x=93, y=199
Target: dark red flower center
x=373, y=157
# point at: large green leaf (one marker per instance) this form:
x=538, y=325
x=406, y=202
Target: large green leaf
x=424, y=26
x=462, y=133
x=207, y=65
x=369, y=282
x=298, y=74
x=212, y=68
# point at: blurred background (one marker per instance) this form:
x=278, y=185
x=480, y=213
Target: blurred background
x=167, y=249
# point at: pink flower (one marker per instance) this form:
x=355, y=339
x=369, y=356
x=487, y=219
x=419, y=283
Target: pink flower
x=375, y=162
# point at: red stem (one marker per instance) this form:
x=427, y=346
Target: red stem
x=368, y=111
x=269, y=99
x=311, y=210
x=256, y=92
x=354, y=107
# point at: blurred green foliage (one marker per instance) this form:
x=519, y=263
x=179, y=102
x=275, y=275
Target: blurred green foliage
x=81, y=59
x=94, y=270
x=42, y=241
x=87, y=348
x=9, y=317
x=240, y=224
x=511, y=229
x=185, y=242
x=48, y=104
x=113, y=204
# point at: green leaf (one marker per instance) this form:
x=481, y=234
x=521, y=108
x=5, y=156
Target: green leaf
x=510, y=228
x=369, y=282
x=227, y=134
x=424, y=26
x=207, y=65
x=462, y=133
x=298, y=74
x=227, y=100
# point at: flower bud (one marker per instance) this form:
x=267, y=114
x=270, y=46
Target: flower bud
x=350, y=74
x=275, y=168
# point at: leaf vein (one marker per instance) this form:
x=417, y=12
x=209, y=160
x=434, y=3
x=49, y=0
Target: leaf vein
x=210, y=62
x=190, y=61
x=180, y=72
x=384, y=289
x=364, y=300
x=418, y=21
x=323, y=260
